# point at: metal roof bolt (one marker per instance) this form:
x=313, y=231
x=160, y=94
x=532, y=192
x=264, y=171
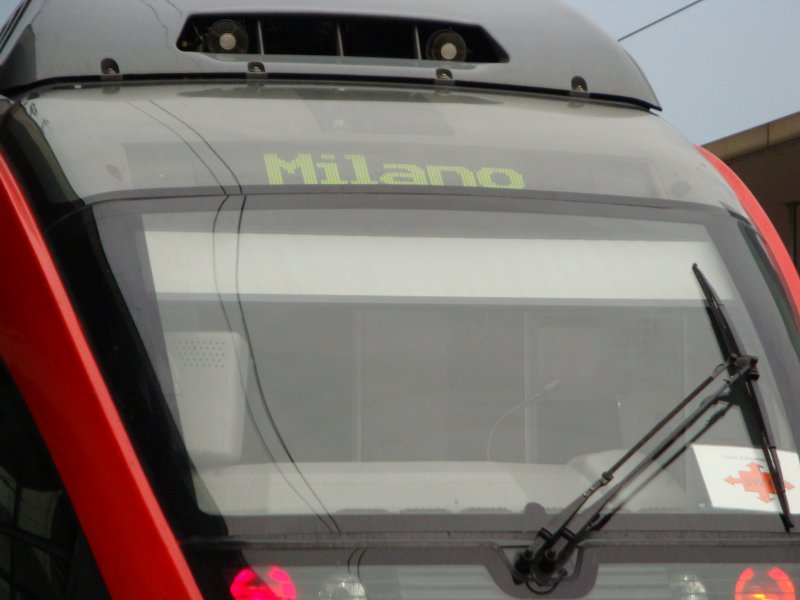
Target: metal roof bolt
x=108, y=66
x=256, y=71
x=443, y=75
x=579, y=84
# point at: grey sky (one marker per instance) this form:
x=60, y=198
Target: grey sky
x=718, y=67
x=6, y=6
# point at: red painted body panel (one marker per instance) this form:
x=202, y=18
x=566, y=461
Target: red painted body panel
x=775, y=247
x=43, y=345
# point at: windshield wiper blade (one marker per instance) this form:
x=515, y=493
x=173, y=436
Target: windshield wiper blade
x=729, y=344
x=541, y=566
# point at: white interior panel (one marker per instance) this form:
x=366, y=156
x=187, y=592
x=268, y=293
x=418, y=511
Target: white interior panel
x=434, y=267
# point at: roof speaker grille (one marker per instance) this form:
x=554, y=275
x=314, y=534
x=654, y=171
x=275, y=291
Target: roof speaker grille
x=346, y=36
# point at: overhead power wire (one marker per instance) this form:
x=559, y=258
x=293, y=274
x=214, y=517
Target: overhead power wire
x=659, y=20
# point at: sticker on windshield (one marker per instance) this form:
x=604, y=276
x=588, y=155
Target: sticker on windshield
x=737, y=477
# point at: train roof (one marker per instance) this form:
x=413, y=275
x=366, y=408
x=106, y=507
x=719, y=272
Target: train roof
x=541, y=45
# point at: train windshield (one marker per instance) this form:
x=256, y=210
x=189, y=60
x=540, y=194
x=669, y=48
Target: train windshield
x=359, y=309
x=330, y=355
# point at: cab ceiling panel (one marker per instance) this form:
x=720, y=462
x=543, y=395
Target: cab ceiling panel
x=537, y=44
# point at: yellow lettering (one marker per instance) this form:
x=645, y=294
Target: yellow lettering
x=328, y=171
x=360, y=168
x=331, y=170
x=276, y=166
x=403, y=174
x=435, y=175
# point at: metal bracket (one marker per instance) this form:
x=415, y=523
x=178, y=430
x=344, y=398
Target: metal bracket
x=256, y=70
x=444, y=77
x=109, y=70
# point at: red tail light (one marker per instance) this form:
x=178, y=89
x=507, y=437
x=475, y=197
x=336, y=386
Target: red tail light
x=774, y=584
x=274, y=585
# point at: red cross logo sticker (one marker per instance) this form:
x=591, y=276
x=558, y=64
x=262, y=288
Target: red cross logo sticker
x=757, y=482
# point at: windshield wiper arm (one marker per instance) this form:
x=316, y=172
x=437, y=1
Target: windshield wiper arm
x=542, y=565
x=730, y=346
